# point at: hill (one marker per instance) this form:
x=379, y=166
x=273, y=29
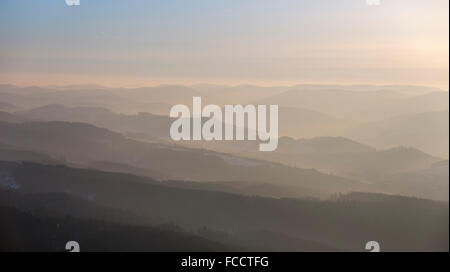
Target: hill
x=83, y=144
x=344, y=223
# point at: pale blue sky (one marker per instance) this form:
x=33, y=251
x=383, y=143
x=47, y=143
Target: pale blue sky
x=126, y=43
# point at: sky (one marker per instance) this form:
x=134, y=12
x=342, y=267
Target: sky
x=140, y=43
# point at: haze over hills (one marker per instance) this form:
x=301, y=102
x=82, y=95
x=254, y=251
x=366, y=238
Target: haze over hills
x=331, y=99
x=402, y=89
x=224, y=126
x=347, y=157
x=150, y=125
x=337, y=155
x=82, y=143
x=407, y=170
x=305, y=111
x=360, y=106
x=427, y=131
x=240, y=94
x=240, y=221
x=118, y=99
x=292, y=121
x=316, y=192
x=304, y=123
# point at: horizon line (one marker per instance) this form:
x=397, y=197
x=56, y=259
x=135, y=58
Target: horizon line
x=95, y=85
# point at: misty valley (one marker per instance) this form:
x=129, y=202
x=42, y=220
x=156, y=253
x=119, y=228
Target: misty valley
x=97, y=165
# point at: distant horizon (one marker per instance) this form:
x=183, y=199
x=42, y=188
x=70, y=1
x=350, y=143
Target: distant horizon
x=243, y=84
x=264, y=43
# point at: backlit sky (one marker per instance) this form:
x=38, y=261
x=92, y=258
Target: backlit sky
x=135, y=43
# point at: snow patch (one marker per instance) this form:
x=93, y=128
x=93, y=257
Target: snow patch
x=7, y=180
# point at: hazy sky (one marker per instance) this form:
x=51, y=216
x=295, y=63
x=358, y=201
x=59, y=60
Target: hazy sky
x=132, y=43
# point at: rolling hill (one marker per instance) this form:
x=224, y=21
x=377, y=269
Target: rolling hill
x=83, y=144
x=344, y=223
